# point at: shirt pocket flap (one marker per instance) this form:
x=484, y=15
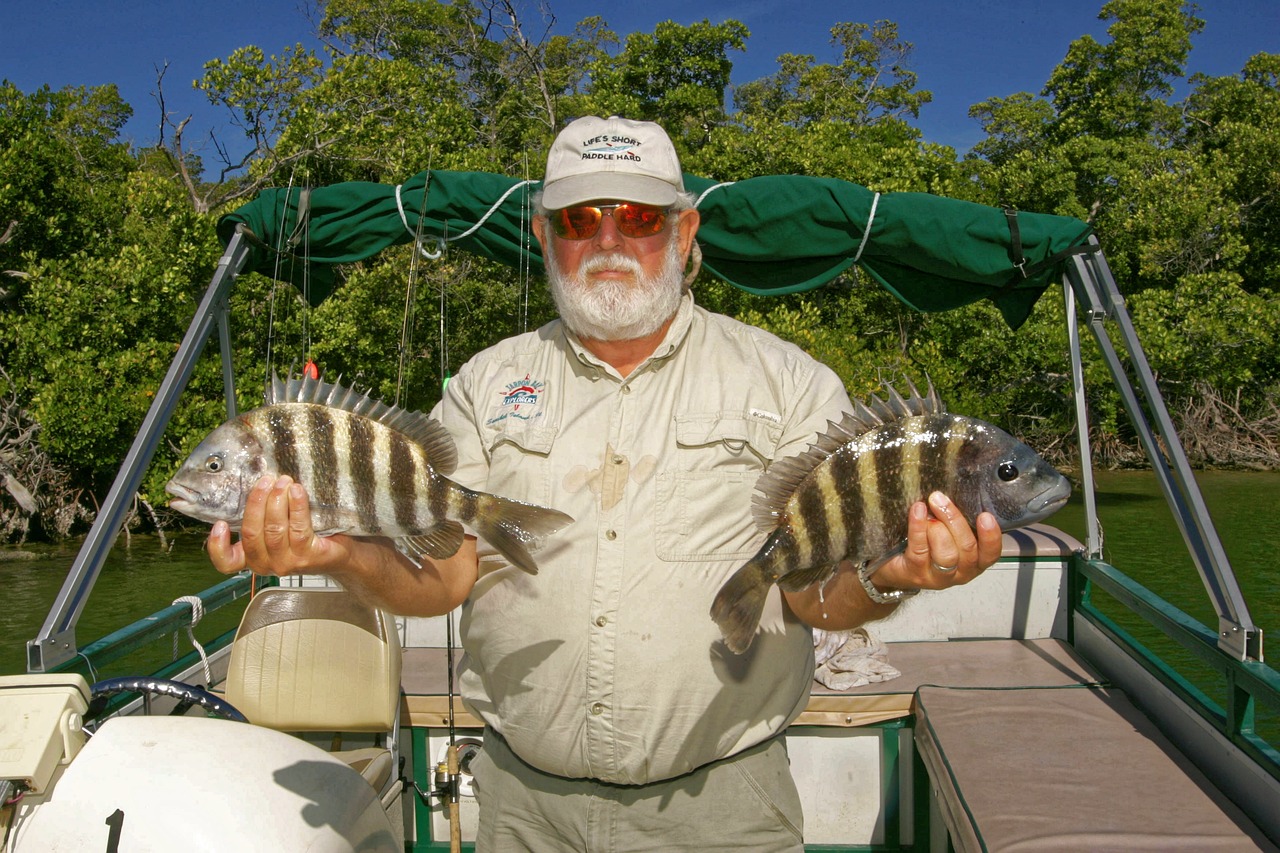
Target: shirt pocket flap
x=529, y=439
x=736, y=430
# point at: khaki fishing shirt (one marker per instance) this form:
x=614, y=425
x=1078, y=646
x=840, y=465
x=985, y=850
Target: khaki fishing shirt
x=606, y=664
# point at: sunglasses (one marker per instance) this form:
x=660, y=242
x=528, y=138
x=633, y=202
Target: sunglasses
x=631, y=219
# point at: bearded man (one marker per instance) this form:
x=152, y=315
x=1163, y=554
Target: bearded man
x=615, y=717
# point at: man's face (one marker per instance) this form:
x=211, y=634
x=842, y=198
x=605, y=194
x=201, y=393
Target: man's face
x=613, y=287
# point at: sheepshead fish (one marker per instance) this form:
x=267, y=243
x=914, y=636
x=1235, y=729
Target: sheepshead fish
x=848, y=495
x=370, y=470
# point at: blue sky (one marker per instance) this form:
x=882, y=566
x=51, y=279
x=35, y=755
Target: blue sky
x=965, y=50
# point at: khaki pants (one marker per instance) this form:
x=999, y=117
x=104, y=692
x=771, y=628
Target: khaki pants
x=747, y=802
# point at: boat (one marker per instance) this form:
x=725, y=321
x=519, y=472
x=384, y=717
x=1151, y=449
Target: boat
x=1024, y=715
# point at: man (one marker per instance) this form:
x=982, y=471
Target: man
x=617, y=719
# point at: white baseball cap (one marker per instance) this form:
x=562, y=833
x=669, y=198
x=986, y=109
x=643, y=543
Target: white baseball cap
x=611, y=158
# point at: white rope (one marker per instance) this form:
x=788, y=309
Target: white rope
x=417, y=240
x=711, y=189
x=197, y=613
x=440, y=243
x=866, y=232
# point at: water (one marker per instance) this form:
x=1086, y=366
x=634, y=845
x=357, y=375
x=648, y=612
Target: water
x=139, y=578
x=1140, y=538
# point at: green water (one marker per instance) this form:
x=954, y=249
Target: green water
x=1140, y=538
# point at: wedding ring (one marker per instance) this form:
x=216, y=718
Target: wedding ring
x=944, y=569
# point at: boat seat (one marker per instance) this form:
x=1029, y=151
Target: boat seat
x=1067, y=768
x=319, y=660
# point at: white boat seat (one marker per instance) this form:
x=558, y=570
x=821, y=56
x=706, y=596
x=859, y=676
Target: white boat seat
x=318, y=660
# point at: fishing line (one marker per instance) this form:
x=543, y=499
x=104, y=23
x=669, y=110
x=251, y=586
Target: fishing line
x=525, y=261
x=275, y=275
x=407, y=322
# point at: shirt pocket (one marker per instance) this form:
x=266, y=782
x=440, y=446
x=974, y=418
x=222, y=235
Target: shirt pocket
x=519, y=462
x=704, y=496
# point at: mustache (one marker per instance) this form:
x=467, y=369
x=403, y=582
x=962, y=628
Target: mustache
x=610, y=261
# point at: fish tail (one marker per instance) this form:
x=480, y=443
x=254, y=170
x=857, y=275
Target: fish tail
x=512, y=526
x=740, y=602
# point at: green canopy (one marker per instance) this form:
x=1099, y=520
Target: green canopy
x=768, y=235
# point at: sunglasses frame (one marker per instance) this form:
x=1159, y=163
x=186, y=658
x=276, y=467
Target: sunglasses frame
x=557, y=224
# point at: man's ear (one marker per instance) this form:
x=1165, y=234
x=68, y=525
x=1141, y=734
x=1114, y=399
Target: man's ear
x=689, y=221
x=540, y=232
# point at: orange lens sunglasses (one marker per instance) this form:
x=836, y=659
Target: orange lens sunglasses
x=632, y=220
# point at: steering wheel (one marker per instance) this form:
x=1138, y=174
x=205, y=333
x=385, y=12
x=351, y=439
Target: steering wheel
x=186, y=694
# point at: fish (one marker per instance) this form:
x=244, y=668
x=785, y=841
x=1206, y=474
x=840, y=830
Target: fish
x=370, y=469
x=847, y=496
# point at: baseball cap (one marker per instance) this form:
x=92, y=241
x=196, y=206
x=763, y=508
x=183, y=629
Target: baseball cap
x=611, y=158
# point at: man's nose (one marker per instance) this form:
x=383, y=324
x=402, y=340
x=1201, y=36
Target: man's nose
x=608, y=236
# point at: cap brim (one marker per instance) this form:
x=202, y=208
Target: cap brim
x=607, y=186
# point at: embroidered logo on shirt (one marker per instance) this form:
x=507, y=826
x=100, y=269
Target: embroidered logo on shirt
x=520, y=399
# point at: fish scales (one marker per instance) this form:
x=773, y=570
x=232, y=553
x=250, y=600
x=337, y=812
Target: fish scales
x=847, y=497
x=369, y=469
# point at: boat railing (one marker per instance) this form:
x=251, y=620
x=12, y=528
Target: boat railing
x=1249, y=686
x=160, y=627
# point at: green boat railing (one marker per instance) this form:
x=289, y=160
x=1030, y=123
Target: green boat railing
x=94, y=659
x=1246, y=684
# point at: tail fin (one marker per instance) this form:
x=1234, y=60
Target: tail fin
x=511, y=526
x=740, y=602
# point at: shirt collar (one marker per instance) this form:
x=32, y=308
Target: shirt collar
x=671, y=342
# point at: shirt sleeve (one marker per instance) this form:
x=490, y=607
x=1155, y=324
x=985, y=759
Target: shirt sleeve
x=460, y=415
x=816, y=401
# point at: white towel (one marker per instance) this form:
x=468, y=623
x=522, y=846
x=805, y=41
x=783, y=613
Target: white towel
x=846, y=659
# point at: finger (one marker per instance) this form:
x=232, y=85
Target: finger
x=227, y=557
x=918, y=550
x=275, y=526
x=990, y=540
x=300, y=530
x=251, y=525
x=952, y=544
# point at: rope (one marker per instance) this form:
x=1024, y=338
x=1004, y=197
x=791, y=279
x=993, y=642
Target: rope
x=440, y=243
x=866, y=232
x=712, y=189
x=197, y=613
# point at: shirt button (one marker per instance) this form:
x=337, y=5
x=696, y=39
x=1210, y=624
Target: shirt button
x=611, y=535
x=597, y=709
x=617, y=460
x=626, y=389
x=602, y=621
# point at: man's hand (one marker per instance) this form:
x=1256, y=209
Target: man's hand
x=942, y=549
x=276, y=536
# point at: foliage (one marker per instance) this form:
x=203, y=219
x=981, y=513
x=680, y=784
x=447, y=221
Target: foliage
x=105, y=250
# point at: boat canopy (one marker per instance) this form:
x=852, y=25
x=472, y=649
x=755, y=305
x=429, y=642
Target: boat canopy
x=767, y=235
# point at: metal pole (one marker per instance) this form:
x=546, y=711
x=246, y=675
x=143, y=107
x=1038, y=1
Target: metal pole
x=1096, y=288
x=56, y=641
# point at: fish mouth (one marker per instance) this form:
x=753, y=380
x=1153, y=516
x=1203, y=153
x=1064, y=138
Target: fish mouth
x=182, y=498
x=1051, y=499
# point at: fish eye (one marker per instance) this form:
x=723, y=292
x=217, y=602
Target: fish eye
x=1007, y=471
x=213, y=464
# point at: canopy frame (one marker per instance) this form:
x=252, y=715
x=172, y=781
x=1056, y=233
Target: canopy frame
x=1086, y=278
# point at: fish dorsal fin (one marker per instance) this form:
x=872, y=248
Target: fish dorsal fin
x=416, y=426
x=784, y=476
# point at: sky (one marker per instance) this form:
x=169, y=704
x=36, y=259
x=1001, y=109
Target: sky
x=965, y=50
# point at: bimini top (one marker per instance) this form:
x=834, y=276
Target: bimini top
x=768, y=235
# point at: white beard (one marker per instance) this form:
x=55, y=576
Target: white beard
x=615, y=310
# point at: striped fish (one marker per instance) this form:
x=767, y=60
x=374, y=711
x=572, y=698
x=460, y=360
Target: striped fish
x=847, y=497
x=370, y=470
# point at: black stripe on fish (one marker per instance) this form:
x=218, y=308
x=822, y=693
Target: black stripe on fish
x=364, y=475
x=402, y=480
x=284, y=442
x=812, y=531
x=322, y=431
